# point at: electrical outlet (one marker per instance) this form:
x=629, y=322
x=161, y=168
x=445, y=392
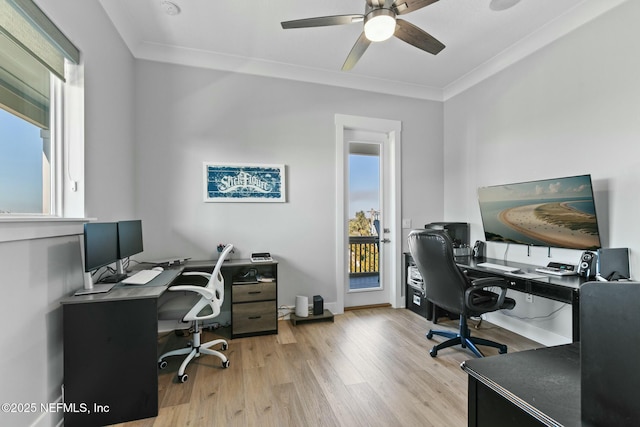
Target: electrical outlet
x=528, y=298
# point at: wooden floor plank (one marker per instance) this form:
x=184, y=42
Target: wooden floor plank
x=369, y=367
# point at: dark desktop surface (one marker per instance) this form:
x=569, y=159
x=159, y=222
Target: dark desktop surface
x=543, y=384
x=564, y=289
x=573, y=281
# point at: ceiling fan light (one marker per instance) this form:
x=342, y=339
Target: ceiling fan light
x=379, y=25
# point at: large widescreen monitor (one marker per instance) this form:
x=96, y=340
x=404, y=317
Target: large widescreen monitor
x=556, y=212
x=100, y=244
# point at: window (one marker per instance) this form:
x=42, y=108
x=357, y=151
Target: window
x=25, y=173
x=35, y=59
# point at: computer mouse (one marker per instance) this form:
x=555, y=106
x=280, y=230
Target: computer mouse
x=158, y=268
x=517, y=272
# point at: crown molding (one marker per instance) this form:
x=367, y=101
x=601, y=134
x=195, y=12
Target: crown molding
x=238, y=64
x=559, y=27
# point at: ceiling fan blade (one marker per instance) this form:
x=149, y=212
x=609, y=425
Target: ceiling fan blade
x=413, y=35
x=405, y=6
x=356, y=53
x=322, y=21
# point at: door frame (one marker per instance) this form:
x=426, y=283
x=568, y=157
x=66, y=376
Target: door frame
x=393, y=128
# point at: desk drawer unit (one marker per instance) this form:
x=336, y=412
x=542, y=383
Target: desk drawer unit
x=253, y=318
x=254, y=309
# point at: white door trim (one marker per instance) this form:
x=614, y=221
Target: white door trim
x=394, y=129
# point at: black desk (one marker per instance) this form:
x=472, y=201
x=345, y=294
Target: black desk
x=111, y=353
x=528, y=388
x=111, y=340
x=558, y=288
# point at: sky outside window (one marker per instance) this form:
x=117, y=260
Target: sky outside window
x=20, y=165
x=364, y=183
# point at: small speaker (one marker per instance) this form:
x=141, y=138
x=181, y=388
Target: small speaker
x=478, y=250
x=613, y=263
x=587, y=265
x=318, y=305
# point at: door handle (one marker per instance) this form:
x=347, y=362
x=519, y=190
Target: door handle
x=385, y=240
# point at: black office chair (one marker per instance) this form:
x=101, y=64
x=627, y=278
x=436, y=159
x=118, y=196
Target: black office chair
x=448, y=287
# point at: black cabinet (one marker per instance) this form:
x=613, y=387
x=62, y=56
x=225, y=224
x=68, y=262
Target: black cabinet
x=414, y=294
x=416, y=302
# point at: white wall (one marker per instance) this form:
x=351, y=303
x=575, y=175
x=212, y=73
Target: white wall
x=568, y=109
x=38, y=273
x=187, y=116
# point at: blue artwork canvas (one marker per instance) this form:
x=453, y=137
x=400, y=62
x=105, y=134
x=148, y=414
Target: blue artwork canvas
x=244, y=183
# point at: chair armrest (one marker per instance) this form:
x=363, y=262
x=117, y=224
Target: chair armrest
x=489, y=282
x=482, y=283
x=197, y=273
x=206, y=293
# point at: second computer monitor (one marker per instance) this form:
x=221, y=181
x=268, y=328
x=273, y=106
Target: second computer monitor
x=129, y=238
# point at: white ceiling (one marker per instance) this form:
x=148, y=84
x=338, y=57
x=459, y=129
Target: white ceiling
x=481, y=37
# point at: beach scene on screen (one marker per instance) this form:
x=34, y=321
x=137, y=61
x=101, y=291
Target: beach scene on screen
x=556, y=213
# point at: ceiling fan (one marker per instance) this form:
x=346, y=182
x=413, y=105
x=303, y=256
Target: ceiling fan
x=380, y=23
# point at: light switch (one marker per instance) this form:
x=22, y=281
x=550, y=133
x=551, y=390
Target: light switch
x=406, y=222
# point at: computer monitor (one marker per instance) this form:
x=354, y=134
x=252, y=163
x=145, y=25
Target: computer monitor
x=100, y=244
x=129, y=241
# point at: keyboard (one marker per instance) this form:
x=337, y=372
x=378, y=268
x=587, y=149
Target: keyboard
x=141, y=277
x=498, y=267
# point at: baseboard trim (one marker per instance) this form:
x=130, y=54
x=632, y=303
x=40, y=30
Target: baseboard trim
x=365, y=307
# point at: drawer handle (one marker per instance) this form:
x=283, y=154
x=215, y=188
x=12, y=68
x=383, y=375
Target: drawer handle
x=254, y=317
x=254, y=292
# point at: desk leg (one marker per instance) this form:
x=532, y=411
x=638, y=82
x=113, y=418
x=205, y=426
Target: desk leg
x=110, y=361
x=489, y=409
x=575, y=314
x=472, y=402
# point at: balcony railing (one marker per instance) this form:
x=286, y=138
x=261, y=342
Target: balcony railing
x=363, y=255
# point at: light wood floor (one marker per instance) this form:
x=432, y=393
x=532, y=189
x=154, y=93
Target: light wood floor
x=370, y=367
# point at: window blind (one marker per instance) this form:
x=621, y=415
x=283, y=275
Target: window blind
x=31, y=48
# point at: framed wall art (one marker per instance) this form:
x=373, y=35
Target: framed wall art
x=244, y=182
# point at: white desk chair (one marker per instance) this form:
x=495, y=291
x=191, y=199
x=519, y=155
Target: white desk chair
x=200, y=303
